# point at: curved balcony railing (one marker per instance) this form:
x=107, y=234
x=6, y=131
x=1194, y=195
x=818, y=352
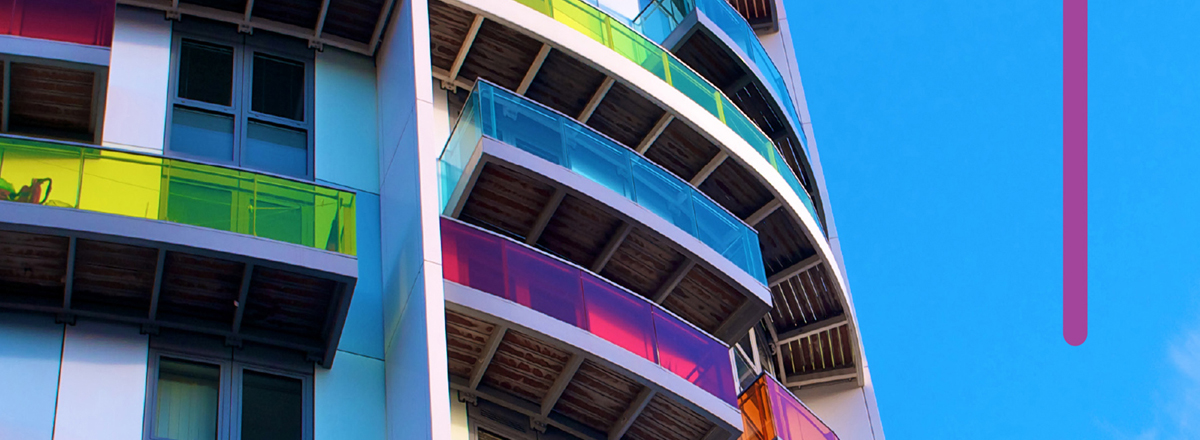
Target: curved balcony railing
x=153, y=187
x=634, y=46
x=770, y=412
x=499, y=266
x=658, y=19
x=525, y=124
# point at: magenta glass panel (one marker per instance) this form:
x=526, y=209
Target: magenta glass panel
x=73, y=21
x=544, y=284
x=619, y=318
x=792, y=420
x=694, y=356
x=6, y=13
x=472, y=258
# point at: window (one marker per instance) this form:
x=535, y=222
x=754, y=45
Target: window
x=194, y=398
x=236, y=103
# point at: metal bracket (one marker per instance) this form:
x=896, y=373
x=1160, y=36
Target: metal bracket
x=538, y=424
x=468, y=397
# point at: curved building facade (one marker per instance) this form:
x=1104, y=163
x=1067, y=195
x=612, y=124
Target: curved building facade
x=442, y=219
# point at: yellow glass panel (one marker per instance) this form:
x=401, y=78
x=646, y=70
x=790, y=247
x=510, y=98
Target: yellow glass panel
x=581, y=17
x=43, y=176
x=121, y=183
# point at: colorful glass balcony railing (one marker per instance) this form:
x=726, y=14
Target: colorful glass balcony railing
x=770, y=412
x=634, y=46
x=518, y=273
x=660, y=18
x=517, y=121
x=157, y=188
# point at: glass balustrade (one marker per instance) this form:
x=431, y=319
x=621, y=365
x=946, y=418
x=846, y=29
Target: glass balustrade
x=629, y=39
x=157, y=188
x=660, y=17
x=517, y=121
x=770, y=412
x=518, y=273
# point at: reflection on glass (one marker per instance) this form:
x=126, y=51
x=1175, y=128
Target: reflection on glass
x=202, y=134
x=187, y=405
x=206, y=72
x=278, y=87
x=272, y=407
x=276, y=149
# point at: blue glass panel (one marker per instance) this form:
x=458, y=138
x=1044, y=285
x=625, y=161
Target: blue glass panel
x=529, y=126
x=599, y=159
x=276, y=149
x=202, y=134
x=664, y=195
x=719, y=230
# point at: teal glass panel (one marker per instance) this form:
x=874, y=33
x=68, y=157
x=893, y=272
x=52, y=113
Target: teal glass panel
x=599, y=159
x=694, y=86
x=529, y=126
x=720, y=231
x=460, y=147
x=664, y=195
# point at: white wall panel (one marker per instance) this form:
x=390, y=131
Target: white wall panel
x=102, y=387
x=136, y=107
x=30, y=350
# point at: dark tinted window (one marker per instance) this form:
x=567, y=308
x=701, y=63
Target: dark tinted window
x=272, y=407
x=206, y=72
x=278, y=87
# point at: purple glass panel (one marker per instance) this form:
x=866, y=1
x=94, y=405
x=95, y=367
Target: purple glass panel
x=694, y=356
x=73, y=21
x=619, y=318
x=792, y=420
x=544, y=284
x=472, y=258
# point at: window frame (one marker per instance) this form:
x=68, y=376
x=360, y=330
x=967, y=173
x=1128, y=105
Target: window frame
x=244, y=47
x=229, y=397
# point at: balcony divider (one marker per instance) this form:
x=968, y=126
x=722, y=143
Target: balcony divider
x=634, y=46
x=92, y=178
x=499, y=266
x=515, y=120
x=770, y=412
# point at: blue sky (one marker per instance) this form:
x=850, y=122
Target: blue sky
x=939, y=126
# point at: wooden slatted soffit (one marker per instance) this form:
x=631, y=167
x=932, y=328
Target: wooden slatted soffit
x=240, y=300
x=354, y=25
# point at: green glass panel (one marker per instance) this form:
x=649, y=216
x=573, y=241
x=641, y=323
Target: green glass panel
x=152, y=187
x=582, y=17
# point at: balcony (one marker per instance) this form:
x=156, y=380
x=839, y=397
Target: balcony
x=530, y=172
x=156, y=188
x=522, y=50
x=633, y=44
x=590, y=358
x=770, y=412
x=164, y=243
x=515, y=120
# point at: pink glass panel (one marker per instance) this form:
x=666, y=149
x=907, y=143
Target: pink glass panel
x=619, y=318
x=6, y=13
x=73, y=21
x=544, y=284
x=793, y=421
x=693, y=356
x=472, y=258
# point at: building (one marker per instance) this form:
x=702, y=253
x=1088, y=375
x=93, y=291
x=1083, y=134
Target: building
x=447, y=219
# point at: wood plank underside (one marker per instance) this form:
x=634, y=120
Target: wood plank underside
x=665, y=419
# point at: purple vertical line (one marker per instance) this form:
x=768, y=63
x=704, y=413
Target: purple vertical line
x=1075, y=224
